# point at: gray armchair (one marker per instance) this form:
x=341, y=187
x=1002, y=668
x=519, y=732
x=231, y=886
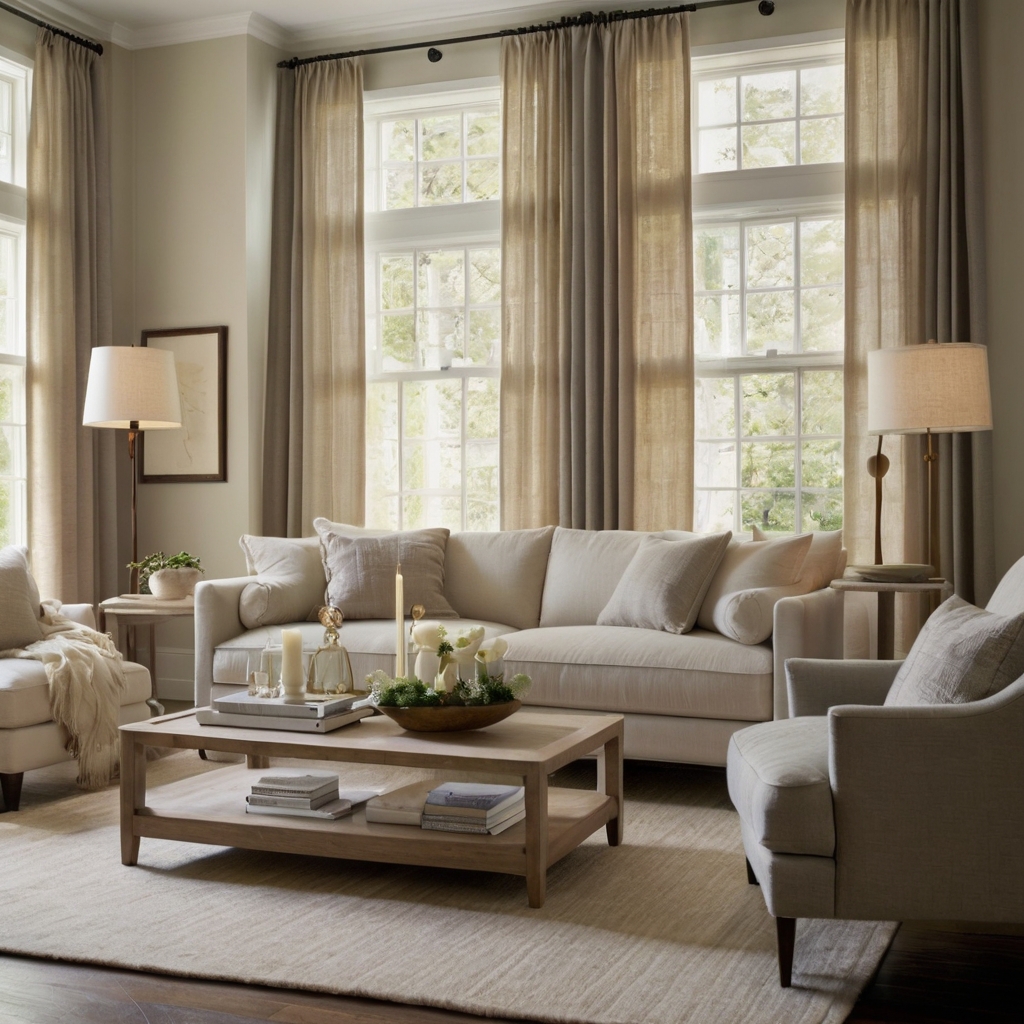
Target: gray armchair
x=852, y=810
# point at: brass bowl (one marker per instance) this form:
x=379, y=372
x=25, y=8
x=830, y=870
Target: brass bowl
x=453, y=718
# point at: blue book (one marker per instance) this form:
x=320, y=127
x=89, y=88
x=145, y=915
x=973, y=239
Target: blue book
x=477, y=796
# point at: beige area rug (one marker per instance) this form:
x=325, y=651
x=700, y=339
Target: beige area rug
x=660, y=930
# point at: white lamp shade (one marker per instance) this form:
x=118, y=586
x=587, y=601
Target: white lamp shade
x=939, y=387
x=132, y=386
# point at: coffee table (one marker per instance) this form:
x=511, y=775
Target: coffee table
x=210, y=808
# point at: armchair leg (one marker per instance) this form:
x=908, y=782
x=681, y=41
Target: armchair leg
x=751, y=877
x=10, y=785
x=785, y=933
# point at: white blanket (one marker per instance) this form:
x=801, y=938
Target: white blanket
x=86, y=680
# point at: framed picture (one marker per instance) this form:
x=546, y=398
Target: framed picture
x=197, y=452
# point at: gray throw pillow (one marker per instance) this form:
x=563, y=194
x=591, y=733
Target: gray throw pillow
x=665, y=583
x=361, y=573
x=291, y=583
x=19, y=601
x=962, y=654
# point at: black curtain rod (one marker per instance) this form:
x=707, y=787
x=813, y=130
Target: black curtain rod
x=766, y=7
x=87, y=43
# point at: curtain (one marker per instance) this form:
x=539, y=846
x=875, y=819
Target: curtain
x=597, y=351
x=74, y=495
x=314, y=423
x=914, y=271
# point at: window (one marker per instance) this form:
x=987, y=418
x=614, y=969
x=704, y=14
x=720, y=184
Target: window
x=433, y=310
x=768, y=289
x=14, y=93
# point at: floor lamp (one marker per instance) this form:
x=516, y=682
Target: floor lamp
x=132, y=389
x=926, y=389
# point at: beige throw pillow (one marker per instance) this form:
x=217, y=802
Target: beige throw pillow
x=823, y=563
x=664, y=584
x=962, y=654
x=360, y=573
x=292, y=582
x=19, y=600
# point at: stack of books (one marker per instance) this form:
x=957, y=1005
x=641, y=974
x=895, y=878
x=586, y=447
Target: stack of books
x=324, y=715
x=473, y=807
x=304, y=796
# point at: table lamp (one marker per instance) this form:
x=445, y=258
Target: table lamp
x=925, y=389
x=132, y=389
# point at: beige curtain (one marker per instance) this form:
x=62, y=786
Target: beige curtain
x=914, y=271
x=597, y=364
x=74, y=496
x=314, y=424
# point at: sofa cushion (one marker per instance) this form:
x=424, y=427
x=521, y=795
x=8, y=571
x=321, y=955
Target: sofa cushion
x=498, y=576
x=962, y=654
x=25, y=692
x=778, y=782
x=824, y=561
x=622, y=669
x=19, y=600
x=665, y=582
x=292, y=581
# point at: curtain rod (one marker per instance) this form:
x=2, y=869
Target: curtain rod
x=87, y=43
x=765, y=7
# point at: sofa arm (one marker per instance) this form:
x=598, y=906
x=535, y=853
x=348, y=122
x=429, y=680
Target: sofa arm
x=216, y=620
x=807, y=626
x=929, y=819
x=82, y=613
x=816, y=684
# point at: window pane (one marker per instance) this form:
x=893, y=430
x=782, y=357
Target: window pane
x=821, y=90
x=382, y=455
x=821, y=251
x=399, y=188
x=482, y=472
x=422, y=510
x=715, y=464
x=770, y=321
x=398, y=140
x=769, y=96
x=441, y=137
x=822, y=394
x=398, y=341
x=714, y=407
x=717, y=325
x=771, y=511
x=768, y=464
x=440, y=336
x=714, y=511
x=768, y=404
x=822, y=510
x=821, y=319
x=482, y=407
x=482, y=180
x=482, y=515
x=433, y=409
x=821, y=141
x=442, y=278
x=484, y=337
x=716, y=258
x=821, y=463
x=396, y=291
x=769, y=145
x=770, y=255
x=716, y=102
x=484, y=276
x=440, y=184
x=717, y=150
x=483, y=133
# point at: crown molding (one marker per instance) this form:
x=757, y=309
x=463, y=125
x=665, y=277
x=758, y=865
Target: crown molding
x=69, y=17
x=217, y=27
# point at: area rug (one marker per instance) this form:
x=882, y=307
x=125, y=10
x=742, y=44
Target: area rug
x=660, y=930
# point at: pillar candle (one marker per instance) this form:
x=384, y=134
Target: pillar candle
x=400, y=622
x=292, y=683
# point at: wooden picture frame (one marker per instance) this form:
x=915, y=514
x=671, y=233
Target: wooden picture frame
x=197, y=452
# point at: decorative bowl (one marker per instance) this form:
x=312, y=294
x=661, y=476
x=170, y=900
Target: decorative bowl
x=451, y=718
x=173, y=584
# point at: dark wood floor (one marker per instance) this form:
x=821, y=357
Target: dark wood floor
x=929, y=976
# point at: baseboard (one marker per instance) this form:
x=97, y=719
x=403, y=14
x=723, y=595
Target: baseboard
x=176, y=673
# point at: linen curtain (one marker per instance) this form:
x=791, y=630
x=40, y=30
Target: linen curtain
x=597, y=352
x=914, y=271
x=314, y=425
x=74, y=491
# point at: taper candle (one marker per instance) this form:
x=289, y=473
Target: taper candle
x=400, y=623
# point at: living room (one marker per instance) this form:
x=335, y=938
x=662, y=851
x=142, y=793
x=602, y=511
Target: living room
x=418, y=350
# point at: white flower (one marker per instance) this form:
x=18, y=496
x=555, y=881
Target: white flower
x=492, y=650
x=465, y=643
x=428, y=635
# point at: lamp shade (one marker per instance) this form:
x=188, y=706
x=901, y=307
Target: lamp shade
x=943, y=388
x=132, y=386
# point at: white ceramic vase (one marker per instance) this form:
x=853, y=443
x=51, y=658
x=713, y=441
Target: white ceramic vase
x=173, y=584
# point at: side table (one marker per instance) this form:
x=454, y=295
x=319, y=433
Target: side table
x=133, y=611
x=887, y=603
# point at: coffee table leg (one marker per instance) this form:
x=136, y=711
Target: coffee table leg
x=536, y=836
x=609, y=780
x=256, y=761
x=133, y=794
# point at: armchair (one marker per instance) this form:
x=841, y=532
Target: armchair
x=852, y=810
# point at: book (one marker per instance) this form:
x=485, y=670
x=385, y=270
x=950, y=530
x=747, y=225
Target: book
x=480, y=796
x=476, y=813
x=471, y=829
x=306, y=785
x=328, y=812
x=243, y=704
x=207, y=716
x=403, y=806
x=301, y=802
x=493, y=817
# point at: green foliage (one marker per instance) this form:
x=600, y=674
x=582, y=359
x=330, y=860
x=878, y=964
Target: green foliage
x=412, y=693
x=406, y=693
x=157, y=561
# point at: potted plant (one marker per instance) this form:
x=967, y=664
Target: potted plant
x=170, y=577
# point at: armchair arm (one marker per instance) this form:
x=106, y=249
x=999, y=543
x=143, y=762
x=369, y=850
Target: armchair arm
x=807, y=626
x=817, y=684
x=216, y=620
x=928, y=812
x=82, y=613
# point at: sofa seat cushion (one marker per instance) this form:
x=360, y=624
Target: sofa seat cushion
x=25, y=693
x=624, y=669
x=778, y=782
x=370, y=644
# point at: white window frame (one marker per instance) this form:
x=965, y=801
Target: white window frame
x=473, y=224
x=766, y=194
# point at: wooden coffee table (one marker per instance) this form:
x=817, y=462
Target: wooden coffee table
x=210, y=808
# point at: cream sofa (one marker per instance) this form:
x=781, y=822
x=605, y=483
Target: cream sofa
x=683, y=696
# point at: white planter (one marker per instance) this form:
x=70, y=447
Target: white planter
x=173, y=584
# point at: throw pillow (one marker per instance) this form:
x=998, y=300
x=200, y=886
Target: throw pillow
x=19, y=600
x=664, y=584
x=292, y=582
x=748, y=616
x=822, y=564
x=962, y=654
x=360, y=572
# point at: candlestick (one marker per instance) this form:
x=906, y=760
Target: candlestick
x=292, y=681
x=400, y=624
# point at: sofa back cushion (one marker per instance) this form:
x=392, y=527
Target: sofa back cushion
x=1008, y=598
x=292, y=582
x=825, y=559
x=19, y=600
x=498, y=577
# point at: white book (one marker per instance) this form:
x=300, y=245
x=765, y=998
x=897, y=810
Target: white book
x=470, y=829
x=244, y=704
x=329, y=812
x=402, y=806
x=207, y=716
